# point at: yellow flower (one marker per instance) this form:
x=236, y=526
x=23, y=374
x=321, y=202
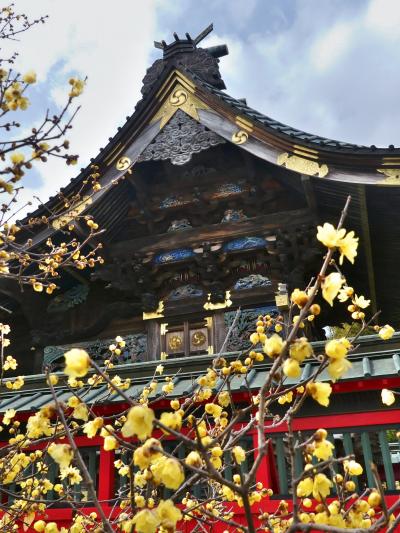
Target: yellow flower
x=29, y=77
x=329, y=235
x=81, y=412
x=322, y=486
x=146, y=521
x=39, y=525
x=224, y=398
x=72, y=474
x=77, y=363
x=388, y=397
x=331, y=286
x=77, y=86
x=299, y=297
x=348, y=247
x=338, y=367
x=323, y=449
x=51, y=527
x=291, y=368
x=361, y=302
x=286, y=398
x=374, y=499
x=168, y=514
x=305, y=487
x=213, y=409
x=38, y=425
x=171, y=420
x=345, y=293
x=337, y=348
x=193, y=459
x=353, y=468
x=386, y=332
x=320, y=392
x=10, y=363
x=62, y=454
x=92, y=427
x=274, y=345
x=300, y=349
x=17, y=158
x=110, y=443
x=239, y=454
x=169, y=472
x=139, y=422
x=8, y=416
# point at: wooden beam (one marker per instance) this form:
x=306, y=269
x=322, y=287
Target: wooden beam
x=215, y=233
x=366, y=236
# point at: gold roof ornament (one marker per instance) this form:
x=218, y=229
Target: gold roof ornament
x=123, y=163
x=240, y=137
x=302, y=165
x=392, y=176
x=72, y=213
x=219, y=305
x=158, y=313
x=181, y=97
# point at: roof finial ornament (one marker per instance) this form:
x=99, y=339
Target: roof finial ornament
x=203, y=62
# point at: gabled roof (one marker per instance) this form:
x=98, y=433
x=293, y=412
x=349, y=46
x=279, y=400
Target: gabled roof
x=198, y=74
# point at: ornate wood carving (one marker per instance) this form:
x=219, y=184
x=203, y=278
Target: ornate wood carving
x=179, y=140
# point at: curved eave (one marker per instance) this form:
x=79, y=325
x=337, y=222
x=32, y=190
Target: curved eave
x=223, y=115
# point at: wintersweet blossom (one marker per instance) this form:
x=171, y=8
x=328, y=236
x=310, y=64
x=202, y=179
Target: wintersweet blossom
x=145, y=521
x=62, y=454
x=274, y=345
x=331, y=286
x=77, y=363
x=388, y=397
x=168, y=514
x=320, y=392
x=348, y=247
x=329, y=235
x=337, y=348
x=386, y=332
x=139, y=422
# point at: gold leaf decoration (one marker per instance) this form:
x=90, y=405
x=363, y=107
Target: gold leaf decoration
x=123, y=163
x=302, y=165
x=179, y=98
x=72, y=213
x=240, y=137
x=158, y=313
x=219, y=305
x=392, y=176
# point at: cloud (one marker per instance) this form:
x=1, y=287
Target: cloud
x=329, y=68
x=108, y=43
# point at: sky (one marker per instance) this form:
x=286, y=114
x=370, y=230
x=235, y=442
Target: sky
x=329, y=67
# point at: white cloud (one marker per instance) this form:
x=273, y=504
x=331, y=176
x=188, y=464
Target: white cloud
x=383, y=16
x=110, y=43
x=332, y=45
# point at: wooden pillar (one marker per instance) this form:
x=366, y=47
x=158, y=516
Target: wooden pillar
x=219, y=331
x=153, y=341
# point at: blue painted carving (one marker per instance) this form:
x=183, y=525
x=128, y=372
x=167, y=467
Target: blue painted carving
x=69, y=299
x=134, y=350
x=185, y=291
x=233, y=215
x=227, y=189
x=244, y=243
x=176, y=201
x=245, y=326
x=174, y=255
x=252, y=281
x=179, y=225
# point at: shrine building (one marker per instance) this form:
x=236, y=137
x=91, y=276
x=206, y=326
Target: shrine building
x=209, y=209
